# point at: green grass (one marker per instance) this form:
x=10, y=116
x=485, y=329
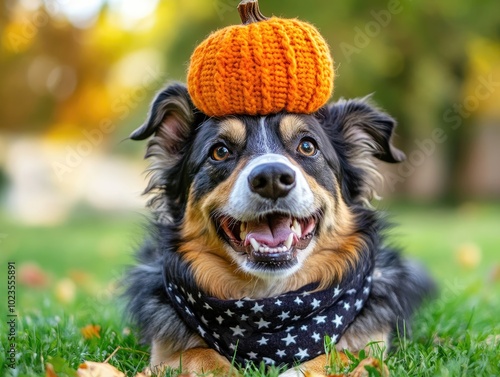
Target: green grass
x=457, y=334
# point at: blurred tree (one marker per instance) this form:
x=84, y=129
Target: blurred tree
x=422, y=60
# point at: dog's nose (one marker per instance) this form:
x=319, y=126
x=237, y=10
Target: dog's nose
x=273, y=181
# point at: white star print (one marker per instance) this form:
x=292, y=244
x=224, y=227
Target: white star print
x=191, y=298
x=351, y=291
x=347, y=306
x=302, y=353
x=369, y=279
x=296, y=318
x=289, y=328
x=206, y=306
x=243, y=317
x=263, y=323
x=257, y=308
x=334, y=338
x=220, y=319
x=304, y=328
x=229, y=313
x=263, y=341
x=320, y=319
x=178, y=299
x=216, y=336
x=281, y=353
x=284, y=315
x=252, y=355
x=336, y=291
x=366, y=290
x=358, y=304
x=237, y=330
x=315, y=303
x=316, y=337
x=337, y=320
x=239, y=303
x=201, y=331
x=278, y=302
x=289, y=339
x=306, y=294
x=232, y=346
x=188, y=311
x=204, y=320
x=268, y=361
x=298, y=301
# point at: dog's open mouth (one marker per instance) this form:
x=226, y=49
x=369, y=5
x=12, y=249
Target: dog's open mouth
x=273, y=239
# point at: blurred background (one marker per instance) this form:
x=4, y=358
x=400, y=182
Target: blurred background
x=76, y=77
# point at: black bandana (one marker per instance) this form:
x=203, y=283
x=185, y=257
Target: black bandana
x=278, y=330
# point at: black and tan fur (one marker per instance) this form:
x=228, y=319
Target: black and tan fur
x=189, y=189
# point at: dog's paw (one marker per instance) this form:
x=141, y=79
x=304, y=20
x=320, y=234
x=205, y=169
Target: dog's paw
x=361, y=370
x=294, y=372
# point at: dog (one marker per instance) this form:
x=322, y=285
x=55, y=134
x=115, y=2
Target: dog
x=263, y=239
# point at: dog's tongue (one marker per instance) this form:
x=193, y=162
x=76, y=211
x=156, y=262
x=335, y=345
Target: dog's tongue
x=271, y=231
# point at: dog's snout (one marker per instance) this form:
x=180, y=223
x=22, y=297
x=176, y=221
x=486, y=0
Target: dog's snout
x=272, y=181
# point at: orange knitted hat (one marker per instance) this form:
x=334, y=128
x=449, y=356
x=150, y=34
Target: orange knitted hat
x=264, y=66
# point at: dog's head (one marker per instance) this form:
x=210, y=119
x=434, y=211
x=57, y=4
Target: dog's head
x=265, y=196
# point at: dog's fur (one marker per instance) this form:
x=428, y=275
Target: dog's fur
x=191, y=192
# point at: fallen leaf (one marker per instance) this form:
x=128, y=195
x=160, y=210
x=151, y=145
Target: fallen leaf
x=91, y=331
x=468, y=255
x=492, y=340
x=65, y=291
x=79, y=277
x=362, y=371
x=49, y=371
x=495, y=273
x=31, y=275
x=93, y=369
x=58, y=366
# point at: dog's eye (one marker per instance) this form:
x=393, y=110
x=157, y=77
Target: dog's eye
x=307, y=147
x=220, y=153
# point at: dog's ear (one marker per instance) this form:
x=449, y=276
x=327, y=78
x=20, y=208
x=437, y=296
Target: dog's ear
x=360, y=132
x=365, y=128
x=170, y=118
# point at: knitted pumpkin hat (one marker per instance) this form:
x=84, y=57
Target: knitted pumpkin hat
x=264, y=66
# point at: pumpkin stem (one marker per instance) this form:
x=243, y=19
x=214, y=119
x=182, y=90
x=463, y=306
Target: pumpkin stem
x=250, y=12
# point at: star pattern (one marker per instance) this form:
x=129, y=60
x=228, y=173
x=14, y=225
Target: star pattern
x=279, y=330
x=262, y=323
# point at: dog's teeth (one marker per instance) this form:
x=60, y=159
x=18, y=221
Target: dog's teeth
x=266, y=249
x=296, y=228
x=255, y=244
x=243, y=230
x=288, y=242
